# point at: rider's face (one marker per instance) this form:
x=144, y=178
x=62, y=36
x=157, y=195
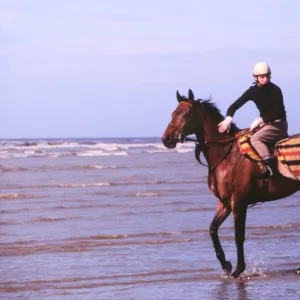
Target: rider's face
x=262, y=79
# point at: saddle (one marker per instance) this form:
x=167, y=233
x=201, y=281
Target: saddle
x=287, y=152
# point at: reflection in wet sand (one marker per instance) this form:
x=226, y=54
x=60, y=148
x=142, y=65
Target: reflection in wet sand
x=66, y=235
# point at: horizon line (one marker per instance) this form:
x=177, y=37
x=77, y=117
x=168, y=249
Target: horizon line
x=49, y=138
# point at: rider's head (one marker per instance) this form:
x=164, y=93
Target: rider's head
x=262, y=73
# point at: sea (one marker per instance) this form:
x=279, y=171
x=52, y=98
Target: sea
x=126, y=218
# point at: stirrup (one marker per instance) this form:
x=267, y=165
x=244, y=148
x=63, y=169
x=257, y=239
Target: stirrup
x=267, y=174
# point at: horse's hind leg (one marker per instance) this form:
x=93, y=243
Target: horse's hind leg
x=222, y=212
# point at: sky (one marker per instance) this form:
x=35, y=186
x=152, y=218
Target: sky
x=92, y=68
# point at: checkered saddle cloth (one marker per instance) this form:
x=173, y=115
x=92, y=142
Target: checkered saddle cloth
x=287, y=152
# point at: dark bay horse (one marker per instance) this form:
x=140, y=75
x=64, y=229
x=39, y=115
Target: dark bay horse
x=231, y=176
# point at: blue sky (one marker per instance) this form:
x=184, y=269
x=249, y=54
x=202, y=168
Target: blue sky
x=91, y=68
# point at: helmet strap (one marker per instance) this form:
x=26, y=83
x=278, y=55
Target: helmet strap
x=256, y=78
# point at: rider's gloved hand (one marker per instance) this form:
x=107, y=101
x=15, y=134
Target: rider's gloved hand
x=257, y=122
x=225, y=125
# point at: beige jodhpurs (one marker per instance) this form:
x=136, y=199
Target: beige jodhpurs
x=268, y=136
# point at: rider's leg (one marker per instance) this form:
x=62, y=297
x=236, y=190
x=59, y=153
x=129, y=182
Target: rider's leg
x=268, y=134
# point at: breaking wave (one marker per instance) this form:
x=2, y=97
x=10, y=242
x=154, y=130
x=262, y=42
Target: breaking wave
x=83, y=147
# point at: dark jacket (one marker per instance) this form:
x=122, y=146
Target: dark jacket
x=268, y=99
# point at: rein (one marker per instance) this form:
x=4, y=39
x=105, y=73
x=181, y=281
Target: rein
x=222, y=142
x=182, y=137
x=198, y=149
x=198, y=157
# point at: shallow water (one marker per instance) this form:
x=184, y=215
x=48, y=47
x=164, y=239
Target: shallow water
x=128, y=219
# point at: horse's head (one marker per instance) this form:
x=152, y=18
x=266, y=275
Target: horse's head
x=182, y=122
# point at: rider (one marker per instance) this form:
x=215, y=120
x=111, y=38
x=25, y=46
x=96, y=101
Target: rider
x=268, y=99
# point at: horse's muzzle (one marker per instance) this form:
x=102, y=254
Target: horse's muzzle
x=169, y=141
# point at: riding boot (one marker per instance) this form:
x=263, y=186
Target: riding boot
x=271, y=168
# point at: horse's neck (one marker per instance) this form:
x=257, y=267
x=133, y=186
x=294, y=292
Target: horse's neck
x=214, y=152
x=212, y=134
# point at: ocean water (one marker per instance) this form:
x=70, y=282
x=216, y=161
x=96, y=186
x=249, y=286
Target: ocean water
x=128, y=219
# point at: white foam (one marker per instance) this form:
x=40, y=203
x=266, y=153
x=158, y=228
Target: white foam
x=184, y=150
x=119, y=153
x=92, y=153
x=30, y=152
x=146, y=194
x=85, y=185
x=100, y=153
x=117, y=146
x=19, y=155
x=41, y=145
x=178, y=150
x=160, y=151
x=39, y=149
x=101, y=167
x=107, y=147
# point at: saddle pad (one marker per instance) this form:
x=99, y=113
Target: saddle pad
x=246, y=148
x=288, y=153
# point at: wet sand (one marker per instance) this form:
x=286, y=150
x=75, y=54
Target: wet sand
x=132, y=226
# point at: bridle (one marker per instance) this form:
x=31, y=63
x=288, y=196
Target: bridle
x=181, y=136
x=201, y=145
x=206, y=144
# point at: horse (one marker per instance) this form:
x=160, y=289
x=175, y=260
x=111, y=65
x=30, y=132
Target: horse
x=232, y=177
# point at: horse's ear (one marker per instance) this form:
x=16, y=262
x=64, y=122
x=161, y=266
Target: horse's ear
x=191, y=95
x=179, y=97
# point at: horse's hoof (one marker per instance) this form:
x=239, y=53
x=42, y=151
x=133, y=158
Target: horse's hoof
x=238, y=271
x=227, y=268
x=236, y=274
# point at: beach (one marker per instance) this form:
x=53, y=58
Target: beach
x=129, y=219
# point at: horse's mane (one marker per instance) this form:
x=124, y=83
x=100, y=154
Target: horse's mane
x=212, y=108
x=214, y=111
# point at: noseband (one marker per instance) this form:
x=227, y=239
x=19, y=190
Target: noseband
x=181, y=136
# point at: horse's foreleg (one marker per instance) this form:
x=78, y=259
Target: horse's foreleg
x=239, y=217
x=222, y=212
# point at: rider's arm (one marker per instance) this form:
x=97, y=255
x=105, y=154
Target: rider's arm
x=248, y=95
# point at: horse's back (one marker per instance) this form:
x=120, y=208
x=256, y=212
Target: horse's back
x=286, y=150
x=288, y=153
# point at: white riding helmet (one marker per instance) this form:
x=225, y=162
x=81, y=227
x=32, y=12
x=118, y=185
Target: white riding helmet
x=261, y=68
